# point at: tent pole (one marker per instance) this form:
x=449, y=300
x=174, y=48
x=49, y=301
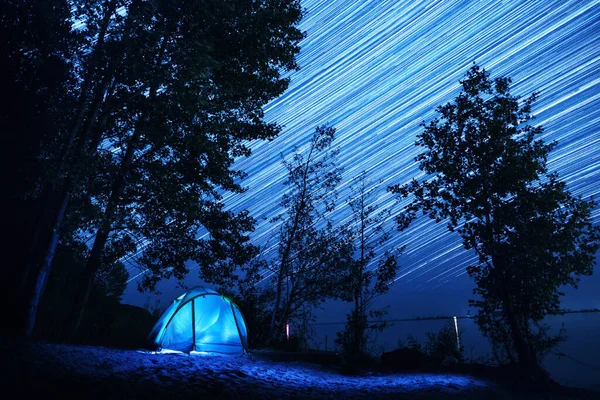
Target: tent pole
x=193, y=326
x=238, y=328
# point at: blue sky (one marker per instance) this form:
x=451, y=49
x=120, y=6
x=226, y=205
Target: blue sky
x=375, y=69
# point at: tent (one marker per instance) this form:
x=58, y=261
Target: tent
x=201, y=320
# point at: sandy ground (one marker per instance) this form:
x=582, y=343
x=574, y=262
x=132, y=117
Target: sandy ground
x=34, y=368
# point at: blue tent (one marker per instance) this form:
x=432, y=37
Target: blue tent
x=201, y=320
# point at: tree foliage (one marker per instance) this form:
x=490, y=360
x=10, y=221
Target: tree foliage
x=487, y=176
x=206, y=88
x=154, y=101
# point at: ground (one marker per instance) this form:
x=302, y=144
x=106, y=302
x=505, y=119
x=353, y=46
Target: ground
x=33, y=368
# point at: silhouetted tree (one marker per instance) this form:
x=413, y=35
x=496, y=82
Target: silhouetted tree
x=368, y=270
x=487, y=177
x=304, y=267
x=159, y=98
x=204, y=101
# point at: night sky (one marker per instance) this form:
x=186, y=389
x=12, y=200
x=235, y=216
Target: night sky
x=375, y=69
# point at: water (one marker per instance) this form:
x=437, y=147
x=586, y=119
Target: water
x=579, y=367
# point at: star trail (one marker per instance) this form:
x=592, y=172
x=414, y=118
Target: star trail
x=374, y=70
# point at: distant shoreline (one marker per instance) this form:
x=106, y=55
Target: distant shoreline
x=443, y=317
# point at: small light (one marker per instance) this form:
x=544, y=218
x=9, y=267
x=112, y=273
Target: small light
x=287, y=331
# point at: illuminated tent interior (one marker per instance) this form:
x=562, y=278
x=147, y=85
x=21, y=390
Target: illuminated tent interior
x=201, y=320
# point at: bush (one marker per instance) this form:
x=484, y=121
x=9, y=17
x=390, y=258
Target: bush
x=110, y=323
x=443, y=344
x=405, y=358
x=439, y=347
x=412, y=344
x=105, y=321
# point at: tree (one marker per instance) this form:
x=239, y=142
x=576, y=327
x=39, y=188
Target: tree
x=160, y=105
x=304, y=268
x=369, y=271
x=101, y=34
x=487, y=176
x=180, y=145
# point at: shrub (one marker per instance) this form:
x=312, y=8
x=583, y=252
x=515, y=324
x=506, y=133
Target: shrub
x=443, y=344
x=438, y=345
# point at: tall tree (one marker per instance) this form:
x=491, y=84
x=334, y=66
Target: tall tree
x=204, y=102
x=156, y=99
x=369, y=268
x=100, y=29
x=302, y=268
x=487, y=176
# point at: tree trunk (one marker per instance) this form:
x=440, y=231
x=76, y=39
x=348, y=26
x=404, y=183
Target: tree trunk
x=523, y=353
x=42, y=276
x=273, y=328
x=356, y=320
x=49, y=251
x=289, y=242
x=52, y=230
x=86, y=284
x=77, y=121
x=44, y=219
x=86, y=281
x=358, y=299
x=521, y=348
x=110, y=7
